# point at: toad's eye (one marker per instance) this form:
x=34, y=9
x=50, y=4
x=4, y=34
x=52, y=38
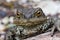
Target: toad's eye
x=19, y=15
x=38, y=14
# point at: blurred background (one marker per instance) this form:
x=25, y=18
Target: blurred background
x=8, y=10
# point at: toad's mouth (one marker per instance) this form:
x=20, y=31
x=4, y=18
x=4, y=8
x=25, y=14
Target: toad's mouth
x=30, y=22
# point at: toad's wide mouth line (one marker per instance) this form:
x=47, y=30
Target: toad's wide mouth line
x=30, y=22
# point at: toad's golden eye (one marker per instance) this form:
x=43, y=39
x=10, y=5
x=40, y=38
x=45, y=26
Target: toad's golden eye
x=19, y=15
x=38, y=14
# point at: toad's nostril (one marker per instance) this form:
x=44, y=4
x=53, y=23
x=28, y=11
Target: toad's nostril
x=27, y=16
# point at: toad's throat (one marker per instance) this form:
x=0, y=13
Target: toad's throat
x=30, y=22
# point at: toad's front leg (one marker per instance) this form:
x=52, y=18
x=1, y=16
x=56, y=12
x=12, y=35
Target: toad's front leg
x=53, y=31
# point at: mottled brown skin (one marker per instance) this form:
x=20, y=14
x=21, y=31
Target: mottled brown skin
x=30, y=22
